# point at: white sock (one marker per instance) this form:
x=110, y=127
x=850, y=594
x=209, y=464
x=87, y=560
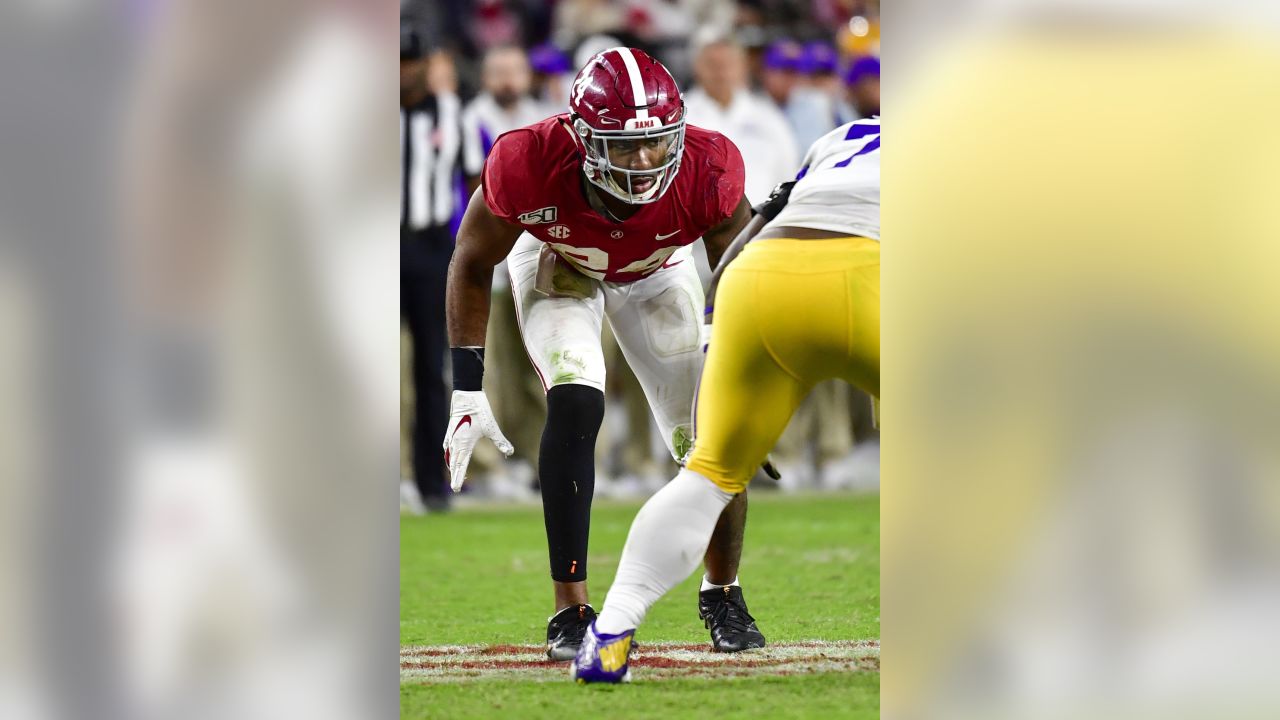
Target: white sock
x=708, y=585
x=666, y=544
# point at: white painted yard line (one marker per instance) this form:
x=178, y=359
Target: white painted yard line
x=468, y=663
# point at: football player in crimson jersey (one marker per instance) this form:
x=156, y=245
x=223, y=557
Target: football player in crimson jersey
x=595, y=211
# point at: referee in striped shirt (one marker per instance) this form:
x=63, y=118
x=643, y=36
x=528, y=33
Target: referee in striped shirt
x=430, y=140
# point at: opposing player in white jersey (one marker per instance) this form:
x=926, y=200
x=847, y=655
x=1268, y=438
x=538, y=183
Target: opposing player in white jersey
x=799, y=305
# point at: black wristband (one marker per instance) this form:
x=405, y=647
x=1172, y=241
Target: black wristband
x=777, y=200
x=468, y=368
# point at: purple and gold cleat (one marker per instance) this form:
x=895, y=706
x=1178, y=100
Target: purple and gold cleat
x=602, y=658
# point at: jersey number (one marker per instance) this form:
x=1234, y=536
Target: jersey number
x=866, y=149
x=594, y=262
x=856, y=131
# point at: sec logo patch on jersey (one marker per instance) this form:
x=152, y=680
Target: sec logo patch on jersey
x=558, y=232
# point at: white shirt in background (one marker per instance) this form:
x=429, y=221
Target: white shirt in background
x=811, y=114
x=484, y=120
x=760, y=131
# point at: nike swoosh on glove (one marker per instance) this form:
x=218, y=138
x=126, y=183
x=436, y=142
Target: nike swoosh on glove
x=470, y=418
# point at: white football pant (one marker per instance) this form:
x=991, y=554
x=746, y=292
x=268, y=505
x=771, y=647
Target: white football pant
x=657, y=321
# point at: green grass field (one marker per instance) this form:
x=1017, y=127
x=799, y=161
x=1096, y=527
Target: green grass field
x=810, y=571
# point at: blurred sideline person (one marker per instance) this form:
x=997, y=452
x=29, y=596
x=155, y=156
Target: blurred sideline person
x=503, y=105
x=431, y=140
x=779, y=70
x=595, y=211
x=722, y=102
x=821, y=70
x=784, y=77
x=862, y=83
x=816, y=93
x=800, y=305
x=552, y=73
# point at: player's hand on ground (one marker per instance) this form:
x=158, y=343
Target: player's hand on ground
x=470, y=418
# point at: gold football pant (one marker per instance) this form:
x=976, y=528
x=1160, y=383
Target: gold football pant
x=789, y=314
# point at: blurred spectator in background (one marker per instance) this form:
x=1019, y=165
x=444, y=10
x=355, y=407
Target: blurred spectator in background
x=779, y=18
x=504, y=104
x=862, y=82
x=431, y=140
x=552, y=76
x=807, y=111
x=576, y=20
x=750, y=29
x=819, y=66
x=810, y=107
x=441, y=73
x=722, y=102
x=779, y=70
x=820, y=78
x=665, y=27
x=493, y=24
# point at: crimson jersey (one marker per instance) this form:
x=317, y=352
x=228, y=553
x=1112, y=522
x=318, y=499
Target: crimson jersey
x=533, y=178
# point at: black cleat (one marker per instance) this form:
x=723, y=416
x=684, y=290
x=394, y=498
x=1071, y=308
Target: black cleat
x=725, y=613
x=565, y=631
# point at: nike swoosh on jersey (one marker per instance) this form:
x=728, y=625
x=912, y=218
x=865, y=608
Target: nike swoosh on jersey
x=660, y=238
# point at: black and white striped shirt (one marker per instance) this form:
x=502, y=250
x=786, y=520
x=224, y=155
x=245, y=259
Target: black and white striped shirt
x=430, y=139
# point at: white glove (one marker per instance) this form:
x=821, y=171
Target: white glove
x=470, y=418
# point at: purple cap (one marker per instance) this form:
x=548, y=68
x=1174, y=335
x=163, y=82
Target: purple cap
x=549, y=59
x=818, y=57
x=865, y=66
x=783, y=55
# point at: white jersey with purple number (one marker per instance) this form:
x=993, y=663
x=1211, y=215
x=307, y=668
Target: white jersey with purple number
x=838, y=187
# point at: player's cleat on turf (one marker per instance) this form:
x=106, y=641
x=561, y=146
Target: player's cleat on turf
x=602, y=658
x=565, y=630
x=725, y=613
